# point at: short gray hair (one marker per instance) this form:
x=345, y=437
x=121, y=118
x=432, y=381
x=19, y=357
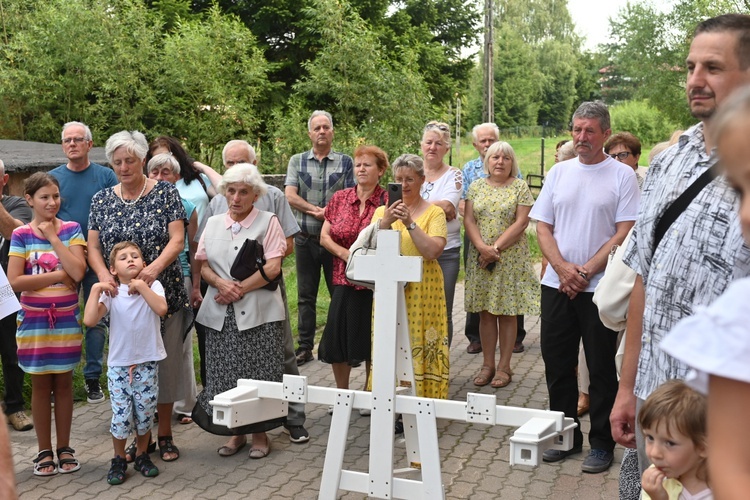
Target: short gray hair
x=157, y=161
x=566, y=152
x=477, y=128
x=506, y=149
x=2, y=168
x=135, y=143
x=247, y=173
x=594, y=109
x=86, y=134
x=237, y=142
x=411, y=161
x=319, y=112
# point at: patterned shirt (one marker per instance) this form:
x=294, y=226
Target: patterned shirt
x=342, y=213
x=473, y=170
x=316, y=181
x=701, y=253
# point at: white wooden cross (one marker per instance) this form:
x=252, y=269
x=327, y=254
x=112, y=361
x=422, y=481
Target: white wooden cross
x=392, y=392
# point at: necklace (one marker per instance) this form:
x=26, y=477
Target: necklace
x=133, y=202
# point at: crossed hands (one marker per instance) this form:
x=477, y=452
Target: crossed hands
x=573, y=278
x=229, y=291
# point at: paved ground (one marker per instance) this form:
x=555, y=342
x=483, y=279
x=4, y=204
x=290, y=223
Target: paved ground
x=474, y=457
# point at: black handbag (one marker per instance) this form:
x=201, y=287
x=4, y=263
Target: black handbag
x=250, y=260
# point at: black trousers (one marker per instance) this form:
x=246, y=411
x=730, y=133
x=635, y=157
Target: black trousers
x=12, y=374
x=564, y=323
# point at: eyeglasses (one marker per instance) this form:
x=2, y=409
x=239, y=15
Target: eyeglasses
x=621, y=156
x=77, y=140
x=438, y=126
x=426, y=188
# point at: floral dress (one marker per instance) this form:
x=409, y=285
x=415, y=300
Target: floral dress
x=426, y=310
x=511, y=288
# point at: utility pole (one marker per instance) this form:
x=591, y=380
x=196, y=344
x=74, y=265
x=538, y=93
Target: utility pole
x=488, y=103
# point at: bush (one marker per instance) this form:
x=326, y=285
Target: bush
x=642, y=120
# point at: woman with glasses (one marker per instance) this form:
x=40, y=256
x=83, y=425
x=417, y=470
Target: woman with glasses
x=500, y=280
x=626, y=148
x=442, y=187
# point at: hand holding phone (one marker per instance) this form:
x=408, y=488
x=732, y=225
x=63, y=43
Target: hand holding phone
x=394, y=193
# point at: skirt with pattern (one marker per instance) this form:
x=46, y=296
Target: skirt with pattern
x=256, y=353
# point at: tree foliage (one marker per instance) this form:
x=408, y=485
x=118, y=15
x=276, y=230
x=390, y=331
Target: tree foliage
x=648, y=49
x=641, y=119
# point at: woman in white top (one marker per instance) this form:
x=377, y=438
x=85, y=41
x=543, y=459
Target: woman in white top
x=442, y=187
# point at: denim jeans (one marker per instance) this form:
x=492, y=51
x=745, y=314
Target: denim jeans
x=95, y=336
x=310, y=258
x=12, y=374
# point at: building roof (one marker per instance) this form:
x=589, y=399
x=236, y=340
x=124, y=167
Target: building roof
x=27, y=156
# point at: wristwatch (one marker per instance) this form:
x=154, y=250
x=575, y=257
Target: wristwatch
x=411, y=226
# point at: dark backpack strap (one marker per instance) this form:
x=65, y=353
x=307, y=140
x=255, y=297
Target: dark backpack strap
x=681, y=203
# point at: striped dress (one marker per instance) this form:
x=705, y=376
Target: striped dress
x=49, y=322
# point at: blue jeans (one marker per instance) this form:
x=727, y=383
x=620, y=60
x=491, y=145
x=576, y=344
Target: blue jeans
x=95, y=336
x=310, y=258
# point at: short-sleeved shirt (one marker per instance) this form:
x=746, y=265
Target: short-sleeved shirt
x=18, y=209
x=342, y=213
x=701, y=253
x=134, y=328
x=273, y=201
x=584, y=203
x=448, y=187
x=78, y=188
x=274, y=242
x=195, y=193
x=316, y=181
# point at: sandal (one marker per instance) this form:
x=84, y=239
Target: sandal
x=484, y=377
x=145, y=466
x=130, y=451
x=67, y=450
x=40, y=463
x=167, y=446
x=502, y=379
x=184, y=419
x=116, y=474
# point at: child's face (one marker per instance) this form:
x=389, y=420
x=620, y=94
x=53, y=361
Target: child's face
x=671, y=452
x=734, y=151
x=45, y=202
x=127, y=264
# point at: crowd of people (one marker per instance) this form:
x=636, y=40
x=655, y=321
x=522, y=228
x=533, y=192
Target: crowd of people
x=160, y=243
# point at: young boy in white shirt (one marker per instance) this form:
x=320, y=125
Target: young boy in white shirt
x=135, y=347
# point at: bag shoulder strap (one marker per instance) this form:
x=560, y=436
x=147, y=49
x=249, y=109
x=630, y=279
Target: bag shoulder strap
x=681, y=203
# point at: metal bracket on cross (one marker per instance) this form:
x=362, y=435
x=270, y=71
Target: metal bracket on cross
x=392, y=393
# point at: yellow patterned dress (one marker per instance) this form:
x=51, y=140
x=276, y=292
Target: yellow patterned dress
x=511, y=288
x=425, y=307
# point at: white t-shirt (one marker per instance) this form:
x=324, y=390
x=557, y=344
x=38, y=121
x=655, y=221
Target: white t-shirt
x=134, y=329
x=583, y=203
x=448, y=187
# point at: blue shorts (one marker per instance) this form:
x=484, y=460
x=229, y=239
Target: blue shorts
x=133, y=391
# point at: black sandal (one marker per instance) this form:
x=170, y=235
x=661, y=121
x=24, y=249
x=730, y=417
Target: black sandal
x=167, y=446
x=130, y=451
x=116, y=474
x=67, y=450
x=40, y=463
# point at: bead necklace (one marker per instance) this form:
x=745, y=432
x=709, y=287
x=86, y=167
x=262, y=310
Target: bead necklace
x=133, y=202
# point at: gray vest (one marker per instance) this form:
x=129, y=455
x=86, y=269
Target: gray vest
x=255, y=308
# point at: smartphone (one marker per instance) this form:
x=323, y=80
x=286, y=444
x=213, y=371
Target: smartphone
x=394, y=193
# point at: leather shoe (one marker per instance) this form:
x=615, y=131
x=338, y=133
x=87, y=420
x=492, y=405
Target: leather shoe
x=552, y=455
x=518, y=347
x=597, y=461
x=474, y=347
x=303, y=356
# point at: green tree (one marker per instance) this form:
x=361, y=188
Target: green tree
x=209, y=81
x=372, y=99
x=643, y=120
x=77, y=60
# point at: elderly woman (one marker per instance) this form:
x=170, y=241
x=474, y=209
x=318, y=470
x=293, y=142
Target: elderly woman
x=423, y=233
x=346, y=338
x=165, y=167
x=149, y=213
x=243, y=320
x=443, y=187
x=500, y=280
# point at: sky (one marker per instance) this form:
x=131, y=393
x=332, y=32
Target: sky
x=592, y=17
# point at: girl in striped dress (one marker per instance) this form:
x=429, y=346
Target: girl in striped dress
x=46, y=263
